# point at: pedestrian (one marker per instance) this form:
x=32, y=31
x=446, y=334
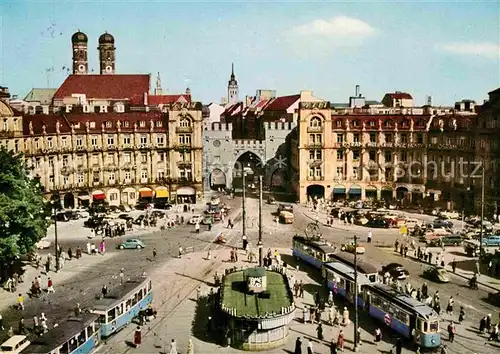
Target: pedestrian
x=197, y=227
x=104, y=290
x=358, y=333
x=198, y=293
x=319, y=331
x=154, y=254
x=461, y=315
x=122, y=275
x=137, y=336
x=451, y=332
x=331, y=315
x=173, y=347
x=10, y=332
x=298, y=346
x=449, y=308
x=93, y=251
x=102, y=247
x=482, y=324
x=21, y=329
x=20, y=302
x=424, y=290
x=378, y=335
x=488, y=322
x=190, y=349
x=399, y=346
x=301, y=289
x=78, y=310
x=2, y=328
x=209, y=254
x=88, y=248
x=70, y=253
x=494, y=333
x=340, y=340
x=330, y=298
x=444, y=349
x=35, y=324
x=454, y=265
x=345, y=317
x=180, y=251
x=369, y=238
x=50, y=286
x=310, y=349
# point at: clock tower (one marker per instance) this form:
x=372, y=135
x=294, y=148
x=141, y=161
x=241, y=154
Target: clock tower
x=232, y=88
x=106, y=54
x=80, y=62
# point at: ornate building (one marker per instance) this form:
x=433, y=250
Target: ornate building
x=104, y=137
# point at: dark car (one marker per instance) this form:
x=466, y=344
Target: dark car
x=125, y=217
x=60, y=217
x=138, y=220
x=377, y=223
x=93, y=222
x=442, y=224
x=494, y=298
x=71, y=215
x=158, y=214
x=395, y=270
x=438, y=274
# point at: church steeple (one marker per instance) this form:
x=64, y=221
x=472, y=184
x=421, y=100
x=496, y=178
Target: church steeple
x=158, y=89
x=232, y=87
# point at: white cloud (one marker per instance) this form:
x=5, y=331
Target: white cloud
x=341, y=27
x=485, y=49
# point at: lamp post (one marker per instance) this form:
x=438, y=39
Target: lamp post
x=243, y=213
x=259, y=244
x=356, y=338
x=482, y=213
x=55, y=200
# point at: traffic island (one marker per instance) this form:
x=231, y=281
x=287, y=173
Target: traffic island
x=257, y=306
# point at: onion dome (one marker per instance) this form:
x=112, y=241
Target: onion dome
x=106, y=38
x=79, y=37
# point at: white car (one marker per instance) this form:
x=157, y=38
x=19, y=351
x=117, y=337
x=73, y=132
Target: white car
x=44, y=243
x=449, y=214
x=195, y=219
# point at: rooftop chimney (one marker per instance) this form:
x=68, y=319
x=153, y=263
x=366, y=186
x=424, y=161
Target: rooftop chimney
x=357, y=91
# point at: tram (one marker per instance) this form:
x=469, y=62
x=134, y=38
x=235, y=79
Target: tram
x=363, y=267
x=120, y=306
x=314, y=253
x=76, y=335
x=339, y=278
x=404, y=314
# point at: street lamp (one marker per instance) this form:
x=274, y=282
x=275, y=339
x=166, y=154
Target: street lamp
x=56, y=199
x=259, y=244
x=356, y=337
x=243, y=212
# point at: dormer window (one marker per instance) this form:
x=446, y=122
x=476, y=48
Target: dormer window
x=108, y=124
x=68, y=108
x=405, y=123
x=388, y=123
x=92, y=124
x=126, y=124
x=104, y=109
x=86, y=108
x=355, y=123
x=77, y=125
x=119, y=108
x=372, y=123
x=159, y=124
x=142, y=123
x=5, y=125
x=338, y=123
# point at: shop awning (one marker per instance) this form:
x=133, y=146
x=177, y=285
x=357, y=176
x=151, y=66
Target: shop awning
x=162, y=194
x=146, y=194
x=339, y=190
x=99, y=196
x=186, y=191
x=84, y=197
x=355, y=191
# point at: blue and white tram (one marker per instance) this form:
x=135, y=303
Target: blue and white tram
x=120, y=306
x=368, y=269
x=74, y=336
x=340, y=276
x=404, y=314
x=314, y=253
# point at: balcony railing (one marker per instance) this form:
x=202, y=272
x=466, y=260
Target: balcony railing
x=314, y=129
x=184, y=163
x=311, y=145
x=183, y=129
x=315, y=178
x=315, y=162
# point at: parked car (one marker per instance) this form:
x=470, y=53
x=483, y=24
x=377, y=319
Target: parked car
x=349, y=247
x=395, y=270
x=438, y=274
x=125, y=217
x=491, y=240
x=442, y=224
x=449, y=214
x=131, y=243
x=285, y=207
x=44, y=243
x=207, y=220
x=271, y=200
x=195, y=219
x=377, y=223
x=494, y=298
x=447, y=240
x=138, y=220
x=158, y=214
x=72, y=215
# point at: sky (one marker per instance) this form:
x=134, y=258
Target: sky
x=448, y=50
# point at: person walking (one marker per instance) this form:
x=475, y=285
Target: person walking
x=298, y=346
x=137, y=336
x=154, y=254
x=451, y=332
x=454, y=265
x=50, y=286
x=310, y=349
x=197, y=228
x=319, y=331
x=378, y=335
x=494, y=333
x=122, y=275
x=449, y=308
x=2, y=328
x=340, y=340
x=173, y=347
x=399, y=346
x=301, y=289
x=333, y=347
x=20, y=301
x=369, y=237
x=104, y=290
x=461, y=315
x=345, y=317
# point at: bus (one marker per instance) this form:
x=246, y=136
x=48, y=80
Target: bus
x=120, y=306
x=314, y=253
x=340, y=279
x=403, y=314
x=75, y=335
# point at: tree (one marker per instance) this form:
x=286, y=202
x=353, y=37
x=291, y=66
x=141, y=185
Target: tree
x=23, y=210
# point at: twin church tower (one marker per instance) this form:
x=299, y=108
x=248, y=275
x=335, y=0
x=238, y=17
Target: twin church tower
x=106, y=50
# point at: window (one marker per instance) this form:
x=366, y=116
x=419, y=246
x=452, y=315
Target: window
x=340, y=138
x=315, y=122
x=126, y=157
x=315, y=154
x=388, y=156
x=355, y=172
x=5, y=125
x=111, y=158
x=144, y=139
x=388, y=123
x=79, y=141
x=37, y=143
x=49, y=143
x=144, y=174
x=51, y=162
x=372, y=124
x=340, y=154
x=16, y=145
x=126, y=124
x=161, y=157
x=185, y=156
x=355, y=155
x=404, y=138
x=355, y=138
x=420, y=138
x=434, y=140
x=372, y=155
x=108, y=124
x=315, y=139
x=64, y=142
x=111, y=315
x=159, y=124
x=127, y=176
x=388, y=138
x=80, y=178
x=355, y=123
x=111, y=177
x=37, y=162
x=314, y=172
x=373, y=137
x=65, y=180
x=142, y=123
x=95, y=159
x=160, y=141
x=404, y=156
x=185, y=123
x=93, y=140
x=340, y=172
x=186, y=173
x=92, y=124
x=144, y=158
x=65, y=161
x=95, y=177
x=161, y=174
x=338, y=123
x=111, y=140
x=185, y=139
x=126, y=140
x=405, y=123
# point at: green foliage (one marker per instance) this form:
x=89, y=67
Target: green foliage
x=23, y=210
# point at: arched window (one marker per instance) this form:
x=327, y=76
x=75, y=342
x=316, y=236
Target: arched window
x=420, y=123
x=372, y=124
x=185, y=122
x=315, y=122
x=405, y=123
x=355, y=123
x=388, y=123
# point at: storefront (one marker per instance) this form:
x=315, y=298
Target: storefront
x=83, y=199
x=129, y=196
x=338, y=193
x=146, y=195
x=186, y=195
x=355, y=193
x=162, y=197
x=98, y=197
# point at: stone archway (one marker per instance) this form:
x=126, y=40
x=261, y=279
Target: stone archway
x=252, y=165
x=371, y=192
x=386, y=194
x=218, y=179
x=69, y=201
x=315, y=191
x=277, y=181
x=401, y=193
